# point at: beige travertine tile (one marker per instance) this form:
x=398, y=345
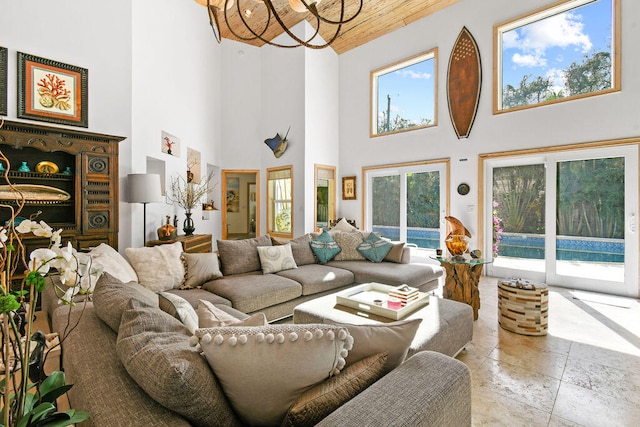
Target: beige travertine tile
x=560, y=422
x=529, y=357
x=517, y=383
x=492, y=409
x=590, y=408
x=605, y=356
x=603, y=379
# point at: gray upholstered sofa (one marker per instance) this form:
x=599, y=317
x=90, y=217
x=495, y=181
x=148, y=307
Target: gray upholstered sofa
x=429, y=389
x=246, y=288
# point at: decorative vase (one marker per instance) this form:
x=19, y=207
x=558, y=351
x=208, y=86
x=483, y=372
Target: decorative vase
x=457, y=244
x=24, y=168
x=188, y=227
x=68, y=171
x=167, y=231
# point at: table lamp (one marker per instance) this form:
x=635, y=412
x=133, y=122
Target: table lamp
x=144, y=188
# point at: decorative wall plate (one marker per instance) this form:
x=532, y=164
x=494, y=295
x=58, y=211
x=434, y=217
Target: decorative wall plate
x=47, y=167
x=463, y=189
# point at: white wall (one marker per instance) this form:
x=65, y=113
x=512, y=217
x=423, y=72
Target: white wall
x=596, y=118
x=79, y=35
x=176, y=76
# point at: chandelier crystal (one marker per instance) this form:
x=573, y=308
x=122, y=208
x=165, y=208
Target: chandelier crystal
x=251, y=20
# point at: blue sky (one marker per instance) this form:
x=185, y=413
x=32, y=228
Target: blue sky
x=547, y=47
x=411, y=90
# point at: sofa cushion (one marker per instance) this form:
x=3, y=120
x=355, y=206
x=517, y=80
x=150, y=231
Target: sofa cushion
x=276, y=258
x=255, y=291
x=394, y=338
x=389, y=273
x=210, y=316
x=111, y=298
x=316, y=278
x=263, y=370
x=324, y=247
x=395, y=254
x=349, y=242
x=159, y=268
x=374, y=248
x=195, y=295
x=200, y=268
x=179, y=308
x=154, y=349
x=302, y=252
x=315, y=404
x=113, y=263
x=241, y=256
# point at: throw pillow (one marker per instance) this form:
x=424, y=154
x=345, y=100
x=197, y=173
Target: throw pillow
x=374, y=248
x=210, y=316
x=394, y=337
x=343, y=225
x=159, y=268
x=200, y=268
x=324, y=247
x=349, y=242
x=329, y=395
x=302, y=252
x=154, y=349
x=179, y=308
x=276, y=258
x=241, y=256
x=113, y=263
x=111, y=298
x=395, y=254
x=263, y=370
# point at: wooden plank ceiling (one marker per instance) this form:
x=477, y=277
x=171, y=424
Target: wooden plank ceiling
x=377, y=18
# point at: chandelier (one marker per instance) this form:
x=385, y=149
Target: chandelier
x=253, y=20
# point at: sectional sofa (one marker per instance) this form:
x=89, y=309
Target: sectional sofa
x=180, y=388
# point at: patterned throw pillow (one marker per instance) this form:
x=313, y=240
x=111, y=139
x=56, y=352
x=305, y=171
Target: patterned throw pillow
x=348, y=243
x=276, y=258
x=374, y=248
x=179, y=308
x=324, y=247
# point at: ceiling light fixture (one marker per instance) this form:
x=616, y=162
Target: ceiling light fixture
x=247, y=30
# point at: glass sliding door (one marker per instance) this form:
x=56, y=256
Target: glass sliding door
x=567, y=219
x=407, y=203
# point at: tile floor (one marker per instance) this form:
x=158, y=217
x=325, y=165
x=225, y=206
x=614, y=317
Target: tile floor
x=584, y=372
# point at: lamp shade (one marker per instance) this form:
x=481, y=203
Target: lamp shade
x=144, y=188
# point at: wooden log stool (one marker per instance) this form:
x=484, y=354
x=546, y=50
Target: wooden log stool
x=523, y=307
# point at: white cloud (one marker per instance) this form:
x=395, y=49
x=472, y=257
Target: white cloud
x=557, y=78
x=528, y=60
x=413, y=74
x=563, y=31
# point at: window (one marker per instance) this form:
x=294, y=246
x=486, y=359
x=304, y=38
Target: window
x=566, y=51
x=280, y=201
x=403, y=95
x=325, y=195
x=408, y=202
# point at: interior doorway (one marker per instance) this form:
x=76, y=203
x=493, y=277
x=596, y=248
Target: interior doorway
x=240, y=204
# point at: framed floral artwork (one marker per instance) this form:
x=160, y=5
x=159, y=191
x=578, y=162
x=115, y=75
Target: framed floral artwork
x=51, y=91
x=3, y=81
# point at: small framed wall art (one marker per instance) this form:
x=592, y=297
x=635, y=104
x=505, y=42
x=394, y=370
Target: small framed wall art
x=169, y=144
x=51, y=91
x=3, y=81
x=348, y=188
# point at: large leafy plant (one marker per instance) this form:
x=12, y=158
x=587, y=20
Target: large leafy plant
x=28, y=395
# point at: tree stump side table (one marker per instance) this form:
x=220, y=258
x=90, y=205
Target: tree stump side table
x=461, y=282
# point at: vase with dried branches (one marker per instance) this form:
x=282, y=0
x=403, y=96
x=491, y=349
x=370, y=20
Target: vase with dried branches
x=188, y=194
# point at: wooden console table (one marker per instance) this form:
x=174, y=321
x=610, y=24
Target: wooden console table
x=196, y=243
x=461, y=282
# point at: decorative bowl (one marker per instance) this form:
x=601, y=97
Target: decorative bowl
x=457, y=244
